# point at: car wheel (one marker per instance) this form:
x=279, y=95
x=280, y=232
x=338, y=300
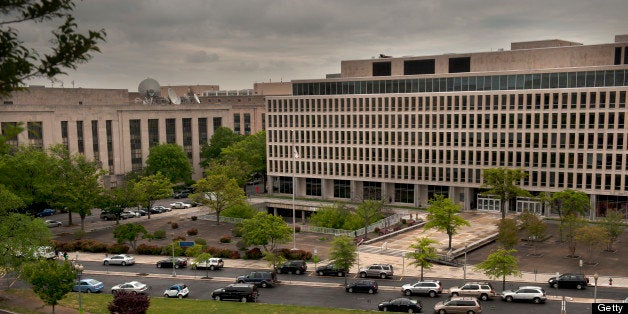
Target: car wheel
x=363, y=275
x=454, y=294
x=579, y=287
x=289, y=272
x=483, y=297
x=383, y=276
x=408, y=292
x=217, y=298
x=89, y=291
x=298, y=272
x=536, y=300
x=212, y=267
x=320, y=273
x=166, y=295
x=385, y=309
x=555, y=285
x=410, y=311
x=105, y=263
x=471, y=312
x=243, y=300
x=180, y=296
x=340, y=274
x=371, y=291
x=176, y=266
x=509, y=299
x=350, y=290
x=158, y=265
x=114, y=292
x=264, y=284
x=433, y=294
x=442, y=312
x=123, y=263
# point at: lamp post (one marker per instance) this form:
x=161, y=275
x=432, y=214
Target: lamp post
x=79, y=272
x=294, y=186
x=174, y=273
x=464, y=268
x=595, y=278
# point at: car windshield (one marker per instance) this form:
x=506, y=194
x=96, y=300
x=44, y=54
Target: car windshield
x=92, y=281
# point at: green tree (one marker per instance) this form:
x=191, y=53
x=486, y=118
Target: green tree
x=507, y=235
x=614, y=227
x=594, y=238
x=534, y=228
x=21, y=235
x=223, y=137
x=8, y=132
x=9, y=201
x=568, y=227
x=172, y=161
x=330, y=216
x=80, y=187
x=244, y=211
x=200, y=258
x=444, y=215
x=423, y=253
x=343, y=252
x=218, y=192
x=152, y=188
x=369, y=211
x=129, y=233
x=501, y=182
x=68, y=48
x=500, y=264
x=570, y=205
x=116, y=200
x=266, y=230
x=50, y=280
x=251, y=150
x=234, y=169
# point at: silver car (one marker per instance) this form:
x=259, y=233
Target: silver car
x=120, y=259
x=533, y=294
x=430, y=287
x=132, y=286
x=377, y=270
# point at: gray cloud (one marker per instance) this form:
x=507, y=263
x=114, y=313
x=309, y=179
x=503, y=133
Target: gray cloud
x=238, y=42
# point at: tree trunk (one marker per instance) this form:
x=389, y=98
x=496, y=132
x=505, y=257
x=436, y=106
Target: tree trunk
x=69, y=218
x=82, y=222
x=503, y=205
x=421, y=272
x=503, y=282
x=217, y=218
x=450, y=235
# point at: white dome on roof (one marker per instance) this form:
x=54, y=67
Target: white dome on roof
x=149, y=88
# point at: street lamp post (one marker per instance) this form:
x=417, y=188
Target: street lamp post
x=174, y=273
x=294, y=186
x=465, y=262
x=79, y=272
x=595, y=278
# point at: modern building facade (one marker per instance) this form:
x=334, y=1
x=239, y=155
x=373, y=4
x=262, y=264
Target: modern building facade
x=403, y=129
x=118, y=128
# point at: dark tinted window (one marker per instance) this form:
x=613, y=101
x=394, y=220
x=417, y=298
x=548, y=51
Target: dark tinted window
x=411, y=67
x=381, y=69
x=457, y=65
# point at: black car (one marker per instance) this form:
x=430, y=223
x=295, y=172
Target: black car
x=369, y=286
x=401, y=305
x=169, y=262
x=293, y=267
x=331, y=270
x=242, y=292
x=181, y=194
x=577, y=281
x=263, y=279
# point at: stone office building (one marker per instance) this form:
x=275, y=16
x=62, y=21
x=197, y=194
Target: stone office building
x=403, y=129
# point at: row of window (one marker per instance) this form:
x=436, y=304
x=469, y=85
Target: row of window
x=580, y=79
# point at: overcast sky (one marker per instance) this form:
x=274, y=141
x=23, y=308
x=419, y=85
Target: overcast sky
x=235, y=43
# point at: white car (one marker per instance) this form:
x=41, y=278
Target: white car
x=132, y=286
x=177, y=291
x=52, y=223
x=212, y=264
x=120, y=259
x=180, y=205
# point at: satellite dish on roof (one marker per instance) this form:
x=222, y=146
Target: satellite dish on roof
x=198, y=101
x=149, y=88
x=173, y=97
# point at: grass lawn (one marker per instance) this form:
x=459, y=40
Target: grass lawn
x=97, y=303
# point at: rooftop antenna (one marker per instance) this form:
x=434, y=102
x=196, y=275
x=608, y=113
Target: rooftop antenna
x=198, y=101
x=173, y=97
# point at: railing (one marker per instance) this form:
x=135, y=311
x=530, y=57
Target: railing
x=212, y=217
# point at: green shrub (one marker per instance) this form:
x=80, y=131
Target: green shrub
x=118, y=248
x=243, y=211
x=254, y=253
x=225, y=239
x=159, y=234
x=242, y=245
x=200, y=241
x=174, y=225
x=192, y=232
x=236, y=231
x=167, y=249
x=179, y=238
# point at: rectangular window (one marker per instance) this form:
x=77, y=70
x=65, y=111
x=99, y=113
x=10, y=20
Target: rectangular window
x=236, y=123
x=35, y=134
x=95, y=146
x=247, y=123
x=135, y=134
x=457, y=65
x=202, y=131
x=412, y=67
x=80, y=137
x=171, y=131
x=217, y=122
x=109, y=131
x=13, y=141
x=381, y=69
x=153, y=132
x=617, y=55
x=187, y=136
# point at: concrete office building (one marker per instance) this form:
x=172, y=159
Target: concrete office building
x=118, y=128
x=403, y=129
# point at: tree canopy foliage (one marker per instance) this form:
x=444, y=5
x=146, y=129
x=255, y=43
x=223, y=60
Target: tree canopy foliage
x=500, y=264
x=223, y=137
x=172, y=161
x=266, y=230
x=129, y=233
x=151, y=188
x=218, y=192
x=501, y=182
x=68, y=47
x=594, y=239
x=614, y=227
x=250, y=150
x=21, y=235
x=50, y=280
x=444, y=215
x=343, y=253
x=507, y=233
x=423, y=253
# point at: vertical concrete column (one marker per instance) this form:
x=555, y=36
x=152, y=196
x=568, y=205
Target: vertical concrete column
x=144, y=139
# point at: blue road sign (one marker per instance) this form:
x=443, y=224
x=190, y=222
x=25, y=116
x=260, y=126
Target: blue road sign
x=186, y=243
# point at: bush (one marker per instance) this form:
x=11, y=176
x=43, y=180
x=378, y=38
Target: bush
x=159, y=234
x=244, y=211
x=94, y=247
x=294, y=254
x=145, y=249
x=220, y=252
x=254, y=253
x=192, y=232
x=397, y=228
x=297, y=228
x=179, y=238
x=118, y=249
x=174, y=225
x=242, y=245
x=377, y=230
x=128, y=302
x=225, y=239
x=236, y=231
x=167, y=250
x=404, y=221
x=200, y=241
x=411, y=222
x=194, y=218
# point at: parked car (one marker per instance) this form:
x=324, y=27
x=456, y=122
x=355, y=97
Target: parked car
x=213, y=263
x=46, y=212
x=129, y=214
x=480, y=290
x=263, y=279
x=533, y=294
x=401, y=305
x=88, y=285
x=377, y=270
x=140, y=212
x=330, y=270
x=52, y=223
x=131, y=286
x=369, y=286
x=177, y=291
x=293, y=267
x=466, y=305
x=430, y=287
x=569, y=281
x=46, y=252
x=159, y=209
x=104, y=215
x=181, y=194
x=120, y=259
x=237, y=291
x=176, y=262
x=180, y=205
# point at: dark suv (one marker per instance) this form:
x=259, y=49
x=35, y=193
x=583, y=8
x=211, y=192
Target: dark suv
x=330, y=270
x=239, y=291
x=263, y=279
x=293, y=267
x=569, y=281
